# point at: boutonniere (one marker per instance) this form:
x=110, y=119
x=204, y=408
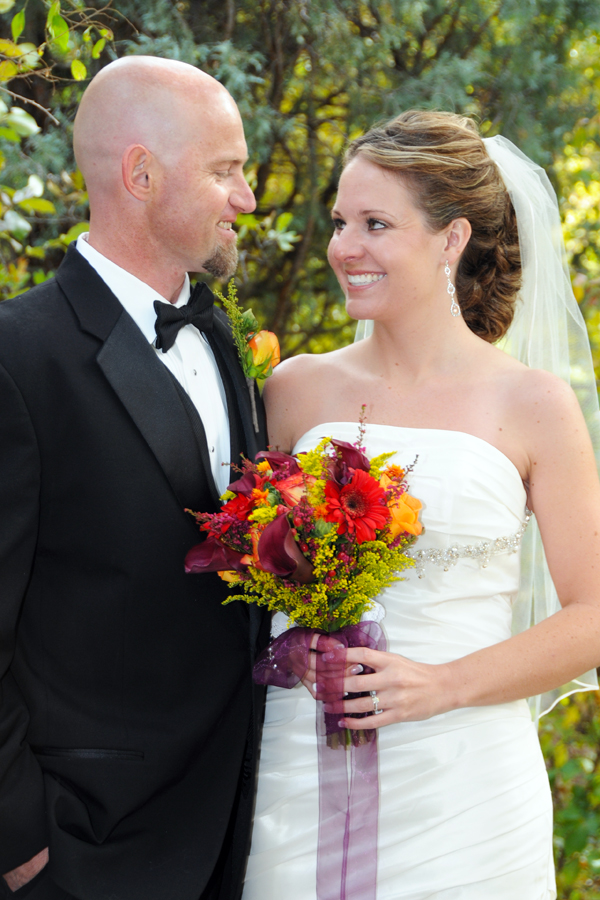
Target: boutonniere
x=258, y=350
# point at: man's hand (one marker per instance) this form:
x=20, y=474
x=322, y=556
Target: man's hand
x=22, y=875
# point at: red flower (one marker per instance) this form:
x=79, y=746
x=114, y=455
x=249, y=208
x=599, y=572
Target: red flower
x=358, y=507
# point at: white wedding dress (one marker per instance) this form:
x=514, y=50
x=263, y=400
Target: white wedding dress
x=465, y=806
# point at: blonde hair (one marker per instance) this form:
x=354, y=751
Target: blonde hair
x=443, y=162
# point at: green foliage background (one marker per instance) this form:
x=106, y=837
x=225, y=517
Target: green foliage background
x=308, y=75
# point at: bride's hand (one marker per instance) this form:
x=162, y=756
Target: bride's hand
x=327, y=643
x=407, y=691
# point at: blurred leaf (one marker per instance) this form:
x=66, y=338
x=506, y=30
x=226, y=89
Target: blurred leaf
x=17, y=25
x=37, y=205
x=78, y=70
x=59, y=32
x=8, y=70
x=74, y=232
x=9, y=48
x=34, y=188
x=98, y=48
x=21, y=121
x=9, y=134
x=16, y=224
x=6, y=5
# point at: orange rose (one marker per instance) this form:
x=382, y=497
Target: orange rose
x=405, y=516
x=265, y=349
x=390, y=475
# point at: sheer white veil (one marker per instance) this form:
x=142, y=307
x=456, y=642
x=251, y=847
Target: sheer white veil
x=547, y=332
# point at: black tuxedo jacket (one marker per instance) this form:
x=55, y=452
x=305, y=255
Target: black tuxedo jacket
x=128, y=717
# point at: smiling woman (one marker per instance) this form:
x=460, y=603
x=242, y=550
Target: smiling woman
x=423, y=222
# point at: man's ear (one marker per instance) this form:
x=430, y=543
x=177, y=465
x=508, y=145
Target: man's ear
x=137, y=170
x=457, y=238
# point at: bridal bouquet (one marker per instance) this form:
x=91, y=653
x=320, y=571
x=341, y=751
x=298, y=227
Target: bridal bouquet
x=316, y=536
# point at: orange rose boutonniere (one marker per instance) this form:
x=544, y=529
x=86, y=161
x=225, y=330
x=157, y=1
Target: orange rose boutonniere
x=258, y=350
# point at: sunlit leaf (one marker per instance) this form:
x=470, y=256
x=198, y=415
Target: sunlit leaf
x=29, y=57
x=16, y=224
x=8, y=70
x=78, y=70
x=21, y=121
x=106, y=33
x=9, y=134
x=9, y=48
x=59, y=31
x=98, y=48
x=17, y=25
x=74, y=232
x=37, y=205
x=53, y=11
x=33, y=188
x=6, y=5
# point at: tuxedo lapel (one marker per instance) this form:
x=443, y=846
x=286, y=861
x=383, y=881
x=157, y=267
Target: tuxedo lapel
x=235, y=384
x=143, y=384
x=149, y=393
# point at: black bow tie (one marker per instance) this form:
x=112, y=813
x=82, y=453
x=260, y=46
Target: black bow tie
x=197, y=311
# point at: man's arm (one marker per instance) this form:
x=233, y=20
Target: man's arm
x=22, y=807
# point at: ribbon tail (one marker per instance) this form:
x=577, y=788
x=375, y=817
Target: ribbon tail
x=348, y=786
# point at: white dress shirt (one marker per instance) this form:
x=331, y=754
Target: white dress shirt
x=190, y=359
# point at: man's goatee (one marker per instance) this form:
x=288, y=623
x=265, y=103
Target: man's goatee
x=223, y=263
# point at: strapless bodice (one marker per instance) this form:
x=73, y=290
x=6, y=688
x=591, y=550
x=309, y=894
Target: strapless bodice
x=471, y=494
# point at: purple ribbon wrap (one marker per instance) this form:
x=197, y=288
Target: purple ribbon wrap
x=348, y=772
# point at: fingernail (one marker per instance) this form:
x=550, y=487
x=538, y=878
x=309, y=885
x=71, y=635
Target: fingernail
x=341, y=724
x=327, y=657
x=356, y=670
x=315, y=687
x=340, y=646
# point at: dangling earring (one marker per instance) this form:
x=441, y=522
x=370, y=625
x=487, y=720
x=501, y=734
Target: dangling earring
x=454, y=307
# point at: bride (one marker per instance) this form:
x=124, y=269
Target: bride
x=425, y=245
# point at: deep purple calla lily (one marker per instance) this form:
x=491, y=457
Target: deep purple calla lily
x=244, y=485
x=353, y=458
x=279, y=553
x=213, y=556
x=276, y=458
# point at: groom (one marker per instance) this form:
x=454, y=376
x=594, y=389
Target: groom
x=128, y=717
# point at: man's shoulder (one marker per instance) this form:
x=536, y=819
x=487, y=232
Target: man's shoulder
x=37, y=301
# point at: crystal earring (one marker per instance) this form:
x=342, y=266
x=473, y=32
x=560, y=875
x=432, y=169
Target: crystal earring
x=454, y=307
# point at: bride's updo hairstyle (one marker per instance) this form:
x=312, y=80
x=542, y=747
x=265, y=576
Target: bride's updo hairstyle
x=443, y=162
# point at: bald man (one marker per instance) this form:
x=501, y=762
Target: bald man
x=128, y=717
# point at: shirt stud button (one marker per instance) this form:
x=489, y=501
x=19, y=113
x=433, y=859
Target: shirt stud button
x=194, y=371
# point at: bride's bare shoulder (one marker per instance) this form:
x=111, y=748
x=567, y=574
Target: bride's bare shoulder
x=296, y=394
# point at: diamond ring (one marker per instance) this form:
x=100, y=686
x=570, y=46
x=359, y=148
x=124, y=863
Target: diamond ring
x=375, y=700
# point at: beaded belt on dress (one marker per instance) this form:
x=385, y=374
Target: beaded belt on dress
x=482, y=551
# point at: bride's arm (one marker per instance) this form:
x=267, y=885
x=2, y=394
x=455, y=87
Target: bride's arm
x=565, y=495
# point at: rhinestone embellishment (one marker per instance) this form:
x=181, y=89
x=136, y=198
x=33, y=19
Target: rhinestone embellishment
x=482, y=551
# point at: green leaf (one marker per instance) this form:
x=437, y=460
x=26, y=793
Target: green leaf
x=106, y=33
x=9, y=48
x=6, y=5
x=33, y=188
x=74, y=232
x=53, y=11
x=39, y=205
x=8, y=134
x=17, y=25
x=16, y=224
x=78, y=70
x=59, y=31
x=98, y=48
x=21, y=121
x=29, y=56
